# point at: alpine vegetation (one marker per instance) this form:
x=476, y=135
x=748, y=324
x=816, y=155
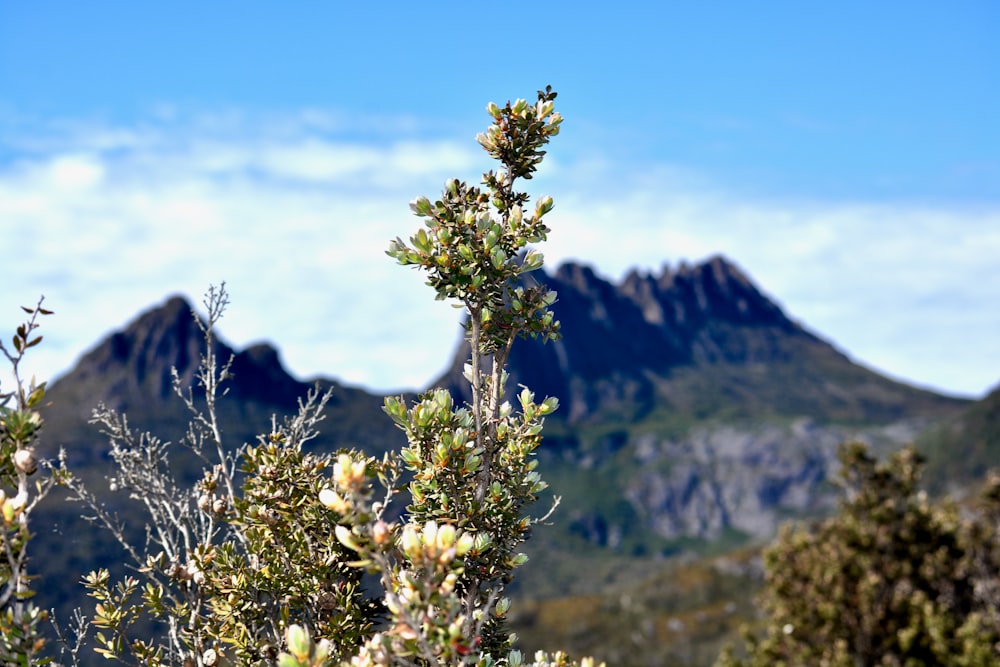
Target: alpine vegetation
x=281, y=555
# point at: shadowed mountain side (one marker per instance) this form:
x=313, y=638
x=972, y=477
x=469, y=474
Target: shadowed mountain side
x=692, y=406
x=130, y=371
x=700, y=341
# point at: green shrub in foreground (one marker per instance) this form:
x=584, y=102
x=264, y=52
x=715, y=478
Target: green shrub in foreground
x=892, y=579
x=279, y=556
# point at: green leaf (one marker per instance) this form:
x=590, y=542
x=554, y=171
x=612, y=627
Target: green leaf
x=36, y=396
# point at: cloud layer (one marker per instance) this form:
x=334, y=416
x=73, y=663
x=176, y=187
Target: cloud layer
x=294, y=212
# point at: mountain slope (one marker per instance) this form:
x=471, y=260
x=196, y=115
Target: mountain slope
x=699, y=342
x=965, y=447
x=132, y=371
x=693, y=406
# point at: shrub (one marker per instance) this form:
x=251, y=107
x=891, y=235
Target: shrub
x=279, y=556
x=22, y=637
x=892, y=579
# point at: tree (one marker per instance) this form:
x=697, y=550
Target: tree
x=265, y=560
x=892, y=579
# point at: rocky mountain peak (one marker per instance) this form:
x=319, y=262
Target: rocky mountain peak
x=642, y=361
x=695, y=294
x=695, y=338
x=139, y=357
x=135, y=364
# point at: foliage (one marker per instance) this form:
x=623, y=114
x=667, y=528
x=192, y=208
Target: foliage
x=278, y=555
x=472, y=467
x=22, y=639
x=976, y=432
x=228, y=564
x=891, y=580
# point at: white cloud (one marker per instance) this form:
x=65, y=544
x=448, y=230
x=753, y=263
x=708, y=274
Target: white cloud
x=75, y=172
x=107, y=221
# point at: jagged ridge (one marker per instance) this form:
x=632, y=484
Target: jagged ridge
x=702, y=340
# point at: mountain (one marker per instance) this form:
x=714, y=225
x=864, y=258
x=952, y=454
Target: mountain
x=695, y=404
x=696, y=415
x=690, y=399
x=700, y=341
x=131, y=371
x=974, y=435
x=692, y=405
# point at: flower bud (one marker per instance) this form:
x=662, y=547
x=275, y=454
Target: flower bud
x=503, y=604
x=485, y=141
x=543, y=206
x=380, y=533
x=447, y=586
x=334, y=501
x=409, y=541
x=445, y=536
x=348, y=473
x=516, y=216
x=8, y=512
x=421, y=206
x=429, y=536
x=464, y=544
x=205, y=502
x=298, y=641
x=25, y=461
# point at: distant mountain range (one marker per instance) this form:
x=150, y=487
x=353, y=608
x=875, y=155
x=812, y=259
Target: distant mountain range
x=702, y=342
x=696, y=414
x=690, y=397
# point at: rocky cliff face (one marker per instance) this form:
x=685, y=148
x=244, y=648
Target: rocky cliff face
x=744, y=478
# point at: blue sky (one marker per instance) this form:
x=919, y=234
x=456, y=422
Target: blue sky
x=846, y=156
